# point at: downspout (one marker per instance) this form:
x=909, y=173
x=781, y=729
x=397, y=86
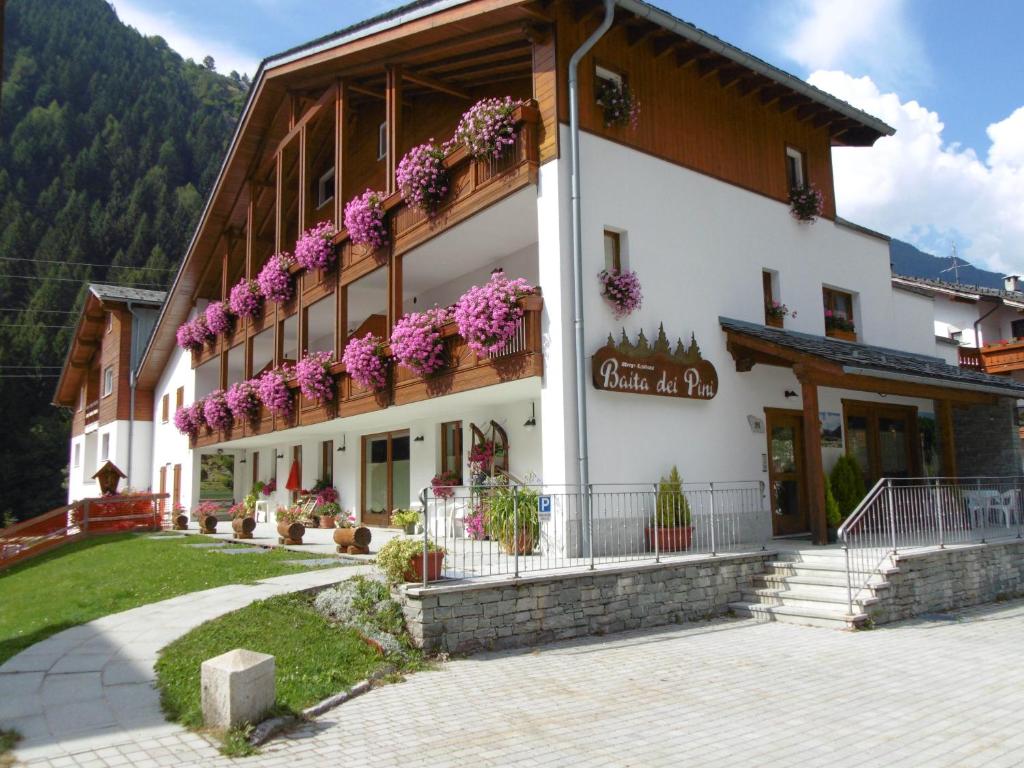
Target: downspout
x=977, y=338
x=577, y=240
x=131, y=387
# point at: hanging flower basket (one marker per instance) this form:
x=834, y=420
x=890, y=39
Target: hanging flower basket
x=488, y=315
x=315, y=248
x=488, y=127
x=364, y=220
x=189, y=419
x=416, y=341
x=422, y=178
x=245, y=298
x=191, y=336
x=444, y=484
x=275, y=281
x=272, y=388
x=243, y=401
x=620, y=106
x=366, y=362
x=806, y=203
x=217, y=318
x=314, y=376
x=216, y=411
x=621, y=290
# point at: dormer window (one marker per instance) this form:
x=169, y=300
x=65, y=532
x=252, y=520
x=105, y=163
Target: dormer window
x=796, y=170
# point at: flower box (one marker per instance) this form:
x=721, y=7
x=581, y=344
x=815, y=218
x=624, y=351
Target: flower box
x=774, y=322
x=668, y=539
x=839, y=333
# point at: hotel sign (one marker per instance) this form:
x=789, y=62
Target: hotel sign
x=645, y=369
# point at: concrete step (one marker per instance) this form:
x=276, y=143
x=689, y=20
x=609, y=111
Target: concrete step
x=803, y=598
x=812, y=556
x=837, y=570
x=825, y=580
x=837, y=619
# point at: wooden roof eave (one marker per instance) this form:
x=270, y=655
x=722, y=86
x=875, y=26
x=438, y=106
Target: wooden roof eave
x=83, y=346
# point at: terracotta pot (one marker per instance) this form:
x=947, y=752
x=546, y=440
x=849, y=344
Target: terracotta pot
x=243, y=527
x=358, y=536
x=313, y=522
x=524, y=541
x=181, y=523
x=208, y=524
x=435, y=564
x=291, y=533
x=669, y=539
x=328, y=521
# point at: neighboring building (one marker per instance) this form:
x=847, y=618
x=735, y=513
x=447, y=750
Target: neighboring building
x=112, y=418
x=694, y=199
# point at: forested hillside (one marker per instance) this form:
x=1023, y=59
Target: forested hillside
x=109, y=142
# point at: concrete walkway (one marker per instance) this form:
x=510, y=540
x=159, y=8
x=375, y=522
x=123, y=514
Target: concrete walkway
x=92, y=687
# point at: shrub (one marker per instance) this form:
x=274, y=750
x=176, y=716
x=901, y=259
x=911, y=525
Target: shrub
x=395, y=557
x=275, y=280
x=488, y=315
x=416, y=341
x=315, y=248
x=245, y=298
x=847, y=484
x=487, y=127
x=405, y=517
x=216, y=411
x=217, y=318
x=422, y=178
x=364, y=219
x=314, y=376
x=832, y=513
x=366, y=361
x=366, y=606
x=672, y=508
x=621, y=290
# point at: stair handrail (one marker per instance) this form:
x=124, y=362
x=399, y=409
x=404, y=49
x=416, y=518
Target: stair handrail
x=860, y=515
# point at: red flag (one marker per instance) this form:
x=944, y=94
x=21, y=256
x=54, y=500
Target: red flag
x=294, y=481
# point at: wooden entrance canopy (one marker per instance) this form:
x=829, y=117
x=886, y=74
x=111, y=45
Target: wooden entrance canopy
x=819, y=361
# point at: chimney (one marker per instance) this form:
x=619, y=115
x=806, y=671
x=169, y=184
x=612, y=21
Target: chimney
x=1012, y=283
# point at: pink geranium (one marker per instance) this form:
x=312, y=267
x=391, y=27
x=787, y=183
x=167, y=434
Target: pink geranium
x=217, y=318
x=366, y=362
x=189, y=419
x=272, y=388
x=364, y=220
x=216, y=411
x=245, y=299
x=422, y=178
x=243, y=400
x=416, y=341
x=314, y=376
x=275, y=280
x=489, y=315
x=315, y=248
x=622, y=290
x=191, y=336
x=806, y=203
x=488, y=127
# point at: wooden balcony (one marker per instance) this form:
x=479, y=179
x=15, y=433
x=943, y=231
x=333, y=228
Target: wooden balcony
x=92, y=412
x=521, y=359
x=1004, y=357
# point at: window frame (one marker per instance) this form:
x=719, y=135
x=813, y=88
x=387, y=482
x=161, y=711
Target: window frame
x=325, y=185
x=179, y=399
x=104, y=447
x=615, y=236
x=770, y=293
x=77, y=460
x=797, y=154
x=110, y=322
x=602, y=73
x=382, y=141
x=828, y=296
x=327, y=462
x=108, y=381
x=165, y=407
x=457, y=448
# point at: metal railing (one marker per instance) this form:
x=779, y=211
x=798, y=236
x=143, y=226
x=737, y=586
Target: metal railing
x=516, y=528
x=916, y=513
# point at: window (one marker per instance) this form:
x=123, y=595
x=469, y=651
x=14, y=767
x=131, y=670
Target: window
x=105, y=447
x=110, y=321
x=795, y=168
x=451, y=448
x=838, y=306
x=602, y=76
x=382, y=141
x=179, y=399
x=81, y=398
x=773, y=312
x=613, y=250
x=165, y=406
x=327, y=462
x=325, y=189
x=108, y=380
x=1017, y=329
x=78, y=454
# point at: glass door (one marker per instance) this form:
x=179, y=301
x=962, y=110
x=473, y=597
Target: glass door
x=883, y=439
x=786, y=473
x=385, y=476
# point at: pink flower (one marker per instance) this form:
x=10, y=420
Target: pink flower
x=487, y=128
x=366, y=362
x=189, y=419
x=245, y=299
x=443, y=484
x=275, y=281
x=422, y=178
x=476, y=523
x=243, y=400
x=273, y=391
x=315, y=248
x=314, y=376
x=620, y=106
x=488, y=316
x=217, y=318
x=191, y=336
x=216, y=411
x=622, y=290
x=364, y=220
x=416, y=341
x=806, y=203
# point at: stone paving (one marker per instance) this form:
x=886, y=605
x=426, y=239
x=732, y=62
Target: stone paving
x=942, y=691
x=91, y=687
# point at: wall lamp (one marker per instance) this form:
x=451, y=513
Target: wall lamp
x=789, y=393
x=341, y=448
x=418, y=439
x=280, y=455
x=531, y=422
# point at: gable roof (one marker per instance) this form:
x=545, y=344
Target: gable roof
x=932, y=286
x=126, y=293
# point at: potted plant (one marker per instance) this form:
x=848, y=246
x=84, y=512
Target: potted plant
x=289, y=529
x=180, y=518
x=622, y=290
x=444, y=484
x=840, y=326
x=671, y=528
x=488, y=127
x=242, y=521
x=776, y=312
x=806, y=203
x=416, y=341
x=513, y=519
x=329, y=512
x=315, y=247
x=422, y=178
x=405, y=519
x=351, y=538
x=402, y=560
x=206, y=514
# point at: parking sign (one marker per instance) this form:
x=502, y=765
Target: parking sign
x=544, y=506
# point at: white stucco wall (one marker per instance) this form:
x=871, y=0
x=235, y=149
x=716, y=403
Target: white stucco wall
x=170, y=447
x=913, y=323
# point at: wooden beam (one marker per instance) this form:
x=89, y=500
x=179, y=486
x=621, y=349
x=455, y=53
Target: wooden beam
x=708, y=66
x=393, y=110
x=769, y=95
x=749, y=85
x=325, y=99
x=687, y=56
x=947, y=438
x=436, y=85
x=340, y=143
x=789, y=103
x=813, y=470
x=730, y=76
x=368, y=92
x=663, y=46
x=303, y=150
x=637, y=33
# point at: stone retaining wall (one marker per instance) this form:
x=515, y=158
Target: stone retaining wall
x=469, y=616
x=955, y=577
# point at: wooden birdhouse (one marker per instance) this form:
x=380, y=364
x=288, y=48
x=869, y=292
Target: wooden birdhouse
x=108, y=476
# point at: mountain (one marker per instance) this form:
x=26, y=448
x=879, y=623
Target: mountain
x=913, y=262
x=109, y=142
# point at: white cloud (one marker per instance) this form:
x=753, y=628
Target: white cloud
x=871, y=37
x=185, y=41
x=915, y=187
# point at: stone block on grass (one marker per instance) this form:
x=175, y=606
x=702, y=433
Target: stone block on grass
x=237, y=688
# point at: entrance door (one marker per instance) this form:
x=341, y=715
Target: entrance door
x=385, y=476
x=883, y=439
x=786, y=472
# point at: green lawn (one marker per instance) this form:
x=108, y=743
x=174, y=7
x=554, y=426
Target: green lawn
x=98, y=576
x=313, y=658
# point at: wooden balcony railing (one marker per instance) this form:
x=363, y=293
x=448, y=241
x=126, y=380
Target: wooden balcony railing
x=970, y=358
x=1004, y=357
x=521, y=358
x=92, y=412
x=475, y=184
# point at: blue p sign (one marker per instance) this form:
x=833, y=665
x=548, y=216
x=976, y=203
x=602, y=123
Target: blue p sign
x=544, y=505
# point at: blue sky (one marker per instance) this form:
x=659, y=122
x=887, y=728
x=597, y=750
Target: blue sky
x=945, y=73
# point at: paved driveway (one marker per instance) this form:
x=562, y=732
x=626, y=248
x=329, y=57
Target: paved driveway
x=942, y=692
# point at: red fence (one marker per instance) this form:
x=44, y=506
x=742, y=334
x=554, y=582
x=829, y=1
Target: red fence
x=107, y=514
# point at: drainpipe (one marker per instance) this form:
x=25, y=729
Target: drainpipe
x=131, y=387
x=977, y=339
x=577, y=240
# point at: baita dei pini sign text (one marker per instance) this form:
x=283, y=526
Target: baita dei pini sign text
x=645, y=369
